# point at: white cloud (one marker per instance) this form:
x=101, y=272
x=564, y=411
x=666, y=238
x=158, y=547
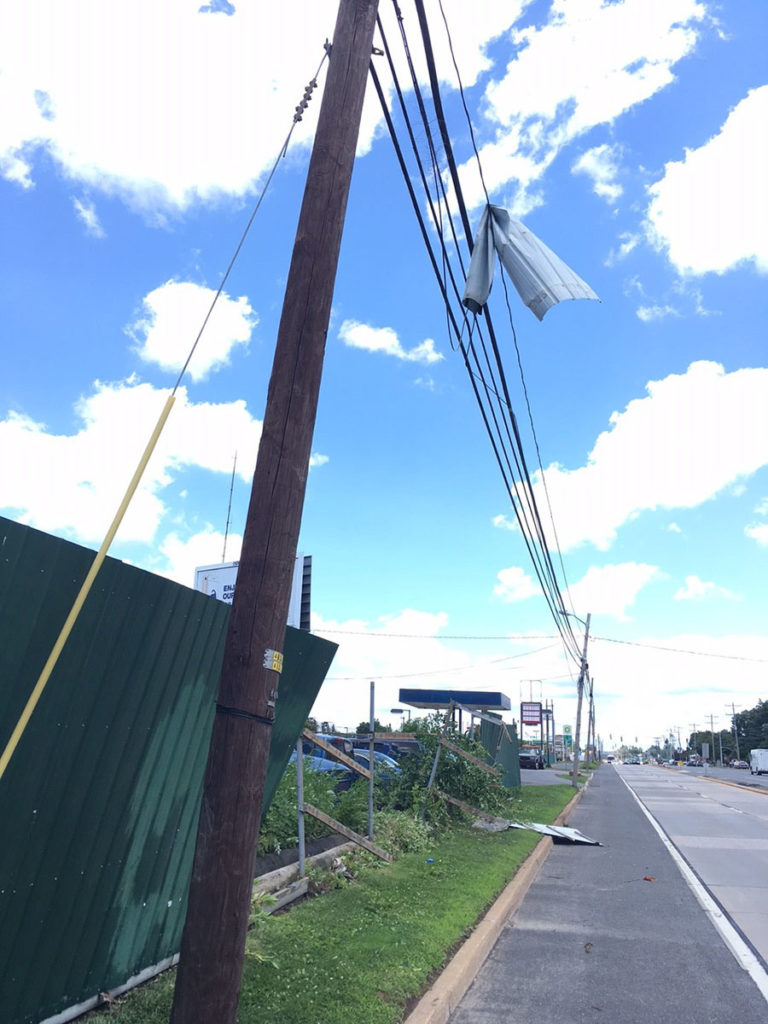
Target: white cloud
x=758, y=532
x=502, y=523
x=641, y=690
x=185, y=83
x=316, y=459
x=692, y=436
x=628, y=242
x=674, y=528
x=649, y=313
x=515, y=585
x=710, y=210
x=88, y=471
x=203, y=548
x=406, y=650
x=86, y=212
x=384, y=339
x=601, y=165
x=169, y=89
x=696, y=589
x=589, y=64
x=171, y=318
x=611, y=589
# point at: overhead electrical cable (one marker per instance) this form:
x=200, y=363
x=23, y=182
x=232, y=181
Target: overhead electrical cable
x=492, y=389
x=501, y=452
x=465, y=220
x=506, y=295
x=506, y=443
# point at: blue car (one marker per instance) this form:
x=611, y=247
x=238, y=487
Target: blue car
x=385, y=767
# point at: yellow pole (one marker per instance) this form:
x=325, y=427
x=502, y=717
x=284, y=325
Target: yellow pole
x=66, y=629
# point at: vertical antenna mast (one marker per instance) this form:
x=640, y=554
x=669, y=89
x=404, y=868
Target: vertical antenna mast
x=229, y=509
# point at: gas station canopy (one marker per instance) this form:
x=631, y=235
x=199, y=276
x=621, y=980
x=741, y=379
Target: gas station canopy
x=437, y=699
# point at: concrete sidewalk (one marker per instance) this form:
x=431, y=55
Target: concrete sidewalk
x=595, y=940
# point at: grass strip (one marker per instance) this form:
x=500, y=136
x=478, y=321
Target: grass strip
x=363, y=953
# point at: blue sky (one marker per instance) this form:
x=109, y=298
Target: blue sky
x=629, y=136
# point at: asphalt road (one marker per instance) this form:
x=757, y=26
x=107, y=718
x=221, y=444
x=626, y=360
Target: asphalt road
x=613, y=933
x=739, y=776
x=722, y=831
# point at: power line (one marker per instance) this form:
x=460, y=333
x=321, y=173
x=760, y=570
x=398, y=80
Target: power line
x=446, y=671
x=534, y=636
x=682, y=650
x=497, y=424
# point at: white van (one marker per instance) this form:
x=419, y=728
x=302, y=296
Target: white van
x=758, y=762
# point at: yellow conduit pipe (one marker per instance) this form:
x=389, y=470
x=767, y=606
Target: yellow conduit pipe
x=101, y=554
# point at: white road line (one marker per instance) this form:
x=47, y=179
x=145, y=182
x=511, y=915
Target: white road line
x=744, y=955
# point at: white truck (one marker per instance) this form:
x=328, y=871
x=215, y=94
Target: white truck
x=758, y=762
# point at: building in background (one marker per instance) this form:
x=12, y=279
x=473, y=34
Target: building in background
x=219, y=581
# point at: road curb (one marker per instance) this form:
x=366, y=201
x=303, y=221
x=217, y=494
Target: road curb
x=437, y=1004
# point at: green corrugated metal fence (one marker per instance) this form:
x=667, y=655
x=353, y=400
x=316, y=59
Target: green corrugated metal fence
x=99, y=805
x=503, y=749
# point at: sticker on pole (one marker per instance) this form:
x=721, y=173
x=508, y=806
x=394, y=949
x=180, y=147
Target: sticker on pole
x=273, y=660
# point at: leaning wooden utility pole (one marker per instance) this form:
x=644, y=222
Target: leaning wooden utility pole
x=580, y=698
x=213, y=942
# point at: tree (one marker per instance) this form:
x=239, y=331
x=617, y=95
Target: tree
x=366, y=727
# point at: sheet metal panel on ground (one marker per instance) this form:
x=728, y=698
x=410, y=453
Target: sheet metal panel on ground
x=99, y=804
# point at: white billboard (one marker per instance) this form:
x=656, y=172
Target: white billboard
x=219, y=581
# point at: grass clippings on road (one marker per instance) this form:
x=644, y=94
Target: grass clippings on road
x=362, y=953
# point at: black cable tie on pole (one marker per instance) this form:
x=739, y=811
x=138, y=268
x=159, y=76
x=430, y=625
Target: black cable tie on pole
x=239, y=713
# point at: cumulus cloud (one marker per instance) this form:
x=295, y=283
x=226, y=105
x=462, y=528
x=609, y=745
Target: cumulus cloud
x=171, y=318
x=696, y=589
x=80, y=478
x=600, y=164
x=612, y=589
x=167, y=77
x=710, y=210
x=589, y=63
x=693, y=435
x=384, y=339
x=515, y=585
x=674, y=528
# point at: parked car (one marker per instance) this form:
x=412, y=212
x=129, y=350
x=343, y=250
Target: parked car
x=531, y=758
x=341, y=777
x=739, y=764
x=385, y=767
x=394, y=748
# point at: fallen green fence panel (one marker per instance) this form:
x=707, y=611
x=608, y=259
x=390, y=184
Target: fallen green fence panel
x=99, y=803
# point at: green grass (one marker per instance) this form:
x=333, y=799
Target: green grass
x=361, y=954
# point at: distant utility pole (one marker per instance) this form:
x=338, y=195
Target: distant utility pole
x=213, y=942
x=712, y=730
x=733, y=726
x=580, y=696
